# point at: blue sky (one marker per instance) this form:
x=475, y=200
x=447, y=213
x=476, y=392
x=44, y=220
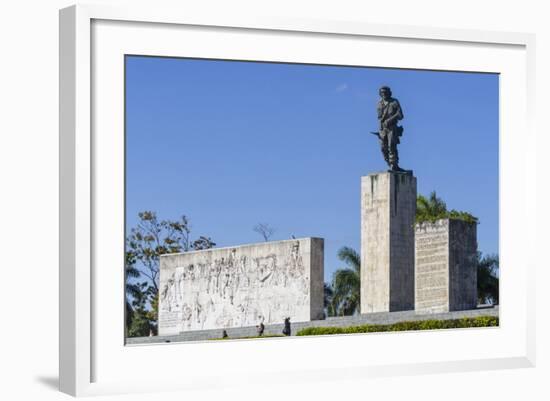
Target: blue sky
x=231, y=144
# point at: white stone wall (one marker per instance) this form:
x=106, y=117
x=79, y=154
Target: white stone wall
x=241, y=286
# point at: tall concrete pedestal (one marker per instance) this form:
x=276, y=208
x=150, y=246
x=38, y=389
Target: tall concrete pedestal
x=388, y=208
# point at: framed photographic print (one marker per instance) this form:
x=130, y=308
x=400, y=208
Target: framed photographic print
x=235, y=188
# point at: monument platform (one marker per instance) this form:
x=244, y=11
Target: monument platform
x=344, y=321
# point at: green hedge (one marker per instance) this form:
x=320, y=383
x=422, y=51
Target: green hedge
x=481, y=321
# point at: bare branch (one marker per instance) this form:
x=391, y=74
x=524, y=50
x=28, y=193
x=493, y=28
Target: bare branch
x=265, y=230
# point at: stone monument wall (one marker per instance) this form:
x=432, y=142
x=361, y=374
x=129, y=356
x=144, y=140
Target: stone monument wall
x=241, y=286
x=462, y=265
x=388, y=208
x=445, y=266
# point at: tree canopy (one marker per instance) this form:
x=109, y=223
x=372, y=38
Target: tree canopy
x=432, y=208
x=149, y=239
x=487, y=279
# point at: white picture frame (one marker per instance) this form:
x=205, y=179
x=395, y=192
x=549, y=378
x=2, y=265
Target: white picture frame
x=92, y=351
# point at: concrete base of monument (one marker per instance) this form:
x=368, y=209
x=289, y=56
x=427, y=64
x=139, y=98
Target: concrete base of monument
x=344, y=321
x=402, y=171
x=388, y=209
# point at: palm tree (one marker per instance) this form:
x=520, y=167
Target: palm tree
x=434, y=208
x=487, y=279
x=431, y=208
x=328, y=295
x=346, y=283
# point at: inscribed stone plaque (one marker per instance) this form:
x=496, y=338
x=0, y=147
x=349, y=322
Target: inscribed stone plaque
x=445, y=266
x=432, y=270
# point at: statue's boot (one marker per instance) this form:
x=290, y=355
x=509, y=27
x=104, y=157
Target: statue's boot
x=395, y=167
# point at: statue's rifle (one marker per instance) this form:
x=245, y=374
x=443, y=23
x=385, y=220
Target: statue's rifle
x=376, y=133
x=398, y=129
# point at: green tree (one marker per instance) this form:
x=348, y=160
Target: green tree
x=433, y=208
x=144, y=245
x=132, y=288
x=346, y=284
x=328, y=295
x=430, y=208
x=140, y=324
x=487, y=279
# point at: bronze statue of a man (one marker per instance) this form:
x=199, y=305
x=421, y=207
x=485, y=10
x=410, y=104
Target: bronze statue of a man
x=389, y=113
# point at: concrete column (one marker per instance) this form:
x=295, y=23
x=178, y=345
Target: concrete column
x=445, y=268
x=388, y=209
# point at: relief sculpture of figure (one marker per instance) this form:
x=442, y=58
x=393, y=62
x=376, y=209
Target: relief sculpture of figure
x=389, y=113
